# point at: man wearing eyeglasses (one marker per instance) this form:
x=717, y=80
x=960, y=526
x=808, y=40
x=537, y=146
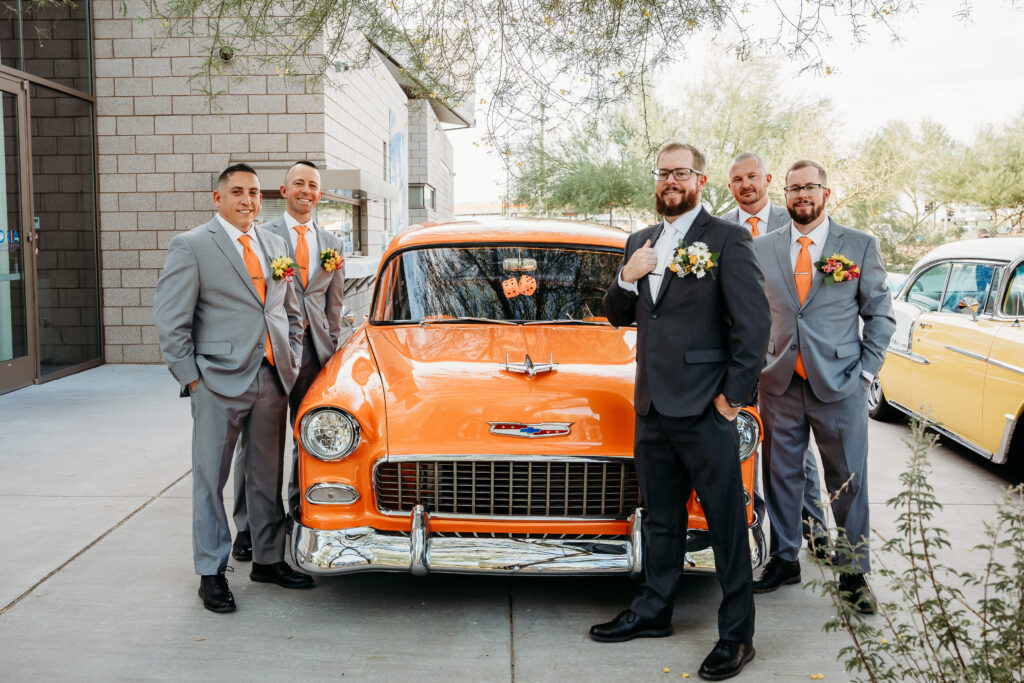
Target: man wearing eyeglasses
x=823, y=280
x=748, y=181
x=701, y=340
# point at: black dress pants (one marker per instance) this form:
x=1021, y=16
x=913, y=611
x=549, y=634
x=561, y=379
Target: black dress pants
x=675, y=455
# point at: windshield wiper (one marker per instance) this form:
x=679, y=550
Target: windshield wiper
x=465, y=319
x=568, y=321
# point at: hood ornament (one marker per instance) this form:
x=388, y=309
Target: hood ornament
x=530, y=431
x=528, y=367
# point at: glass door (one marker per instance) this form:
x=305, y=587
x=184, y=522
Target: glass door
x=17, y=244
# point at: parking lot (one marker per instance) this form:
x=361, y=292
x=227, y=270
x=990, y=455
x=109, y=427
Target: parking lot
x=97, y=581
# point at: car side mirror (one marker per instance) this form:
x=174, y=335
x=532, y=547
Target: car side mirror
x=969, y=305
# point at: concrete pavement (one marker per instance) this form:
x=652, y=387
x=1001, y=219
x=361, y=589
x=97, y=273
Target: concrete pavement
x=96, y=581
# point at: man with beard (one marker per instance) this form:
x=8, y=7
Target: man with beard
x=820, y=364
x=701, y=340
x=748, y=181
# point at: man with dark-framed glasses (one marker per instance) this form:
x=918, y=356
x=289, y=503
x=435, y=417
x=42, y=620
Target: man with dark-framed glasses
x=702, y=331
x=823, y=280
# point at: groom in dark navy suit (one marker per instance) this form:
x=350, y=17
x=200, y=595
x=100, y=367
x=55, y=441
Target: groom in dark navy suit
x=701, y=343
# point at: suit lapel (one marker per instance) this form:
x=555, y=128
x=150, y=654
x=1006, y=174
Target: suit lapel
x=223, y=242
x=782, y=246
x=833, y=245
x=694, y=234
x=645, y=282
x=778, y=218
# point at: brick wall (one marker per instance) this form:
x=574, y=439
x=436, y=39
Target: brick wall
x=161, y=143
x=430, y=161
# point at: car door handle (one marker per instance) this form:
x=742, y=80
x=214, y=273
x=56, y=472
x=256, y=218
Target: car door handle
x=924, y=325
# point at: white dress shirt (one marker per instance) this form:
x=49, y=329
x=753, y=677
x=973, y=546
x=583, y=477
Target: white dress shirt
x=664, y=248
x=314, y=251
x=762, y=218
x=234, y=233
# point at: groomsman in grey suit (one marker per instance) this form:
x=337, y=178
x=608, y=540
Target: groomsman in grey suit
x=819, y=366
x=231, y=333
x=320, y=289
x=748, y=181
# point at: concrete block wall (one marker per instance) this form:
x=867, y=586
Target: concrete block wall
x=161, y=142
x=431, y=162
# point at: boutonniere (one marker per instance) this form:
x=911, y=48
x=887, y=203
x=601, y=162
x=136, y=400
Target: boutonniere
x=283, y=267
x=696, y=259
x=331, y=260
x=839, y=268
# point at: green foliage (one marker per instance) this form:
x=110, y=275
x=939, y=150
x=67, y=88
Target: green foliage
x=932, y=629
x=993, y=172
x=897, y=183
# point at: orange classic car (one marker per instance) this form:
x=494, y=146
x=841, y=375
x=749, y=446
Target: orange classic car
x=481, y=419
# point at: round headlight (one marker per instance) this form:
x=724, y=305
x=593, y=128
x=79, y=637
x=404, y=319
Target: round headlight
x=750, y=434
x=329, y=434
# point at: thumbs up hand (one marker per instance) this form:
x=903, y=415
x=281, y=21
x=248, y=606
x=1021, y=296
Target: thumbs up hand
x=643, y=261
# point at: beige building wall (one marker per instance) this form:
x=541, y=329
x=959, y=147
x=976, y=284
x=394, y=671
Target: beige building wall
x=430, y=162
x=161, y=142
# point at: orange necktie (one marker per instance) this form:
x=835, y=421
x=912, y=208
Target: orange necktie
x=302, y=254
x=252, y=264
x=754, y=232
x=802, y=276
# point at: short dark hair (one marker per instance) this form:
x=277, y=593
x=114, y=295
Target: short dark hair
x=804, y=163
x=233, y=169
x=699, y=164
x=302, y=162
x=749, y=155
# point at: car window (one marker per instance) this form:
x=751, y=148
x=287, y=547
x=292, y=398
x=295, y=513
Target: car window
x=926, y=292
x=512, y=283
x=967, y=280
x=1013, y=302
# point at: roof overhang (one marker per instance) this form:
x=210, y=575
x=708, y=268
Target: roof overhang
x=462, y=116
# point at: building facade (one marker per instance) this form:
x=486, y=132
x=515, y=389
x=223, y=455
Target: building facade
x=111, y=149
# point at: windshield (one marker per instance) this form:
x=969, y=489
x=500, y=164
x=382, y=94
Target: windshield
x=509, y=283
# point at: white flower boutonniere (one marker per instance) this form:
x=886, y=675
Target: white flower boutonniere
x=696, y=259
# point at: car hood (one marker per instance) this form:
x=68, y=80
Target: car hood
x=443, y=384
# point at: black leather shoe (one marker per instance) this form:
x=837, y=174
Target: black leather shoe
x=777, y=573
x=628, y=626
x=215, y=594
x=820, y=548
x=855, y=592
x=241, y=549
x=726, y=660
x=281, y=574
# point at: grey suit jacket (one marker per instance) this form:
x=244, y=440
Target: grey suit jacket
x=321, y=300
x=778, y=217
x=826, y=328
x=209, y=317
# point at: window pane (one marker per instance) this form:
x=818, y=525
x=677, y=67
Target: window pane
x=926, y=292
x=967, y=280
x=498, y=282
x=341, y=219
x=13, y=315
x=1013, y=304
x=64, y=201
x=51, y=42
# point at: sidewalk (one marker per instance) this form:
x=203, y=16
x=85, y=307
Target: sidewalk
x=96, y=581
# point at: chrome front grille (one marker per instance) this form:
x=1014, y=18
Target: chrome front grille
x=535, y=487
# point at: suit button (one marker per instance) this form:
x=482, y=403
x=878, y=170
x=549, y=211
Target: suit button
x=800, y=315
x=259, y=346
x=793, y=347
x=654, y=316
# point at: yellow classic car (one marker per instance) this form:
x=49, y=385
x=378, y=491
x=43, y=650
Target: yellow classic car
x=957, y=357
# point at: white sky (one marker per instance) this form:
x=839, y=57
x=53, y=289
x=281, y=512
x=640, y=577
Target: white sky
x=960, y=75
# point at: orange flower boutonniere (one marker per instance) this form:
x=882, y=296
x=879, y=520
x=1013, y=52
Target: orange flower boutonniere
x=331, y=260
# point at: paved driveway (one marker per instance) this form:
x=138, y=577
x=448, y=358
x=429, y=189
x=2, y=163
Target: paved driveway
x=96, y=580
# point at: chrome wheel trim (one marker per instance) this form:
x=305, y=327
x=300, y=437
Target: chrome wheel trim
x=874, y=394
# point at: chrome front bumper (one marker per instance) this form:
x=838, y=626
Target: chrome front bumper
x=340, y=551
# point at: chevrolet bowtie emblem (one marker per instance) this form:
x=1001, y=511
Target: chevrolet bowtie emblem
x=530, y=431
x=528, y=367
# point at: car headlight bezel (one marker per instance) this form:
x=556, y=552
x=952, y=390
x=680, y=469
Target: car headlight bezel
x=749, y=430
x=317, y=419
